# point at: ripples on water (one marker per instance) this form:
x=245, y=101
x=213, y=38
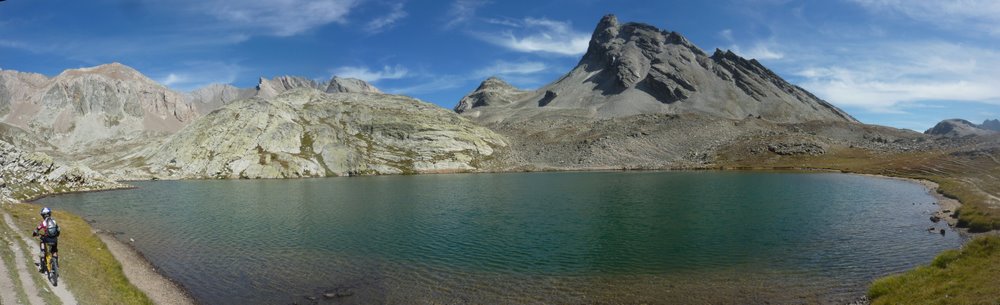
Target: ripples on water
x=675, y=237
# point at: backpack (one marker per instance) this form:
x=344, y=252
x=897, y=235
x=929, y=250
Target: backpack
x=51, y=228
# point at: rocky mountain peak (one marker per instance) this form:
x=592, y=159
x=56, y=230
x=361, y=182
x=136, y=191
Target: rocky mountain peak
x=635, y=68
x=629, y=49
x=116, y=71
x=495, y=83
x=958, y=128
x=993, y=124
x=268, y=88
x=350, y=85
x=492, y=91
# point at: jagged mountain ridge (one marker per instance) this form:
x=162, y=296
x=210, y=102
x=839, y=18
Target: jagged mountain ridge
x=305, y=132
x=87, y=110
x=82, y=107
x=635, y=68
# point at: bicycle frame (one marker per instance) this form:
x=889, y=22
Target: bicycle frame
x=51, y=266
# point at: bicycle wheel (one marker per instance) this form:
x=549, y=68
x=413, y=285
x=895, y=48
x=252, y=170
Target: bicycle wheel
x=54, y=271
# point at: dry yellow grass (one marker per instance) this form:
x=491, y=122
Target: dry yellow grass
x=94, y=275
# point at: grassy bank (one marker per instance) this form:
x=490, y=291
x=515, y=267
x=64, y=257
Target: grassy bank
x=92, y=273
x=966, y=276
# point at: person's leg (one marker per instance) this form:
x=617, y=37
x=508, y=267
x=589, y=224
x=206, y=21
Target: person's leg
x=41, y=257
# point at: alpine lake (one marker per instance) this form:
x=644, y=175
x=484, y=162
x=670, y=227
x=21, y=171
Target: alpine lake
x=526, y=238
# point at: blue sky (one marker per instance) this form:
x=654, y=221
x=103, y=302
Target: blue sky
x=901, y=63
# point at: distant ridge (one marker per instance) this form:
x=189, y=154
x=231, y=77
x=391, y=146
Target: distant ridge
x=962, y=128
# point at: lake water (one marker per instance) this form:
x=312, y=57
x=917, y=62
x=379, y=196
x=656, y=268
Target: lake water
x=594, y=237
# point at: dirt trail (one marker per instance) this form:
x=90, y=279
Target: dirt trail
x=61, y=292
x=141, y=274
x=7, y=292
x=20, y=264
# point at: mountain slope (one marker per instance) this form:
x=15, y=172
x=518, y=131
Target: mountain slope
x=88, y=107
x=635, y=68
x=305, y=132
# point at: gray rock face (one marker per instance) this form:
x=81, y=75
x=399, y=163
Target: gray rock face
x=16, y=87
x=492, y=92
x=215, y=96
x=350, y=85
x=308, y=133
x=958, y=128
x=635, y=68
x=271, y=88
x=24, y=175
x=81, y=108
x=268, y=88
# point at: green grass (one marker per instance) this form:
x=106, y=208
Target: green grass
x=93, y=274
x=8, y=258
x=967, y=276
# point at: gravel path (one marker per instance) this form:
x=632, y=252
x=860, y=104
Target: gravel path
x=61, y=292
x=7, y=293
x=143, y=275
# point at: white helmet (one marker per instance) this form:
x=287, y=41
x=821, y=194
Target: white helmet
x=46, y=212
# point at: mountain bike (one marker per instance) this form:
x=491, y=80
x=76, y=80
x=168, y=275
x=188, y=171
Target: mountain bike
x=51, y=266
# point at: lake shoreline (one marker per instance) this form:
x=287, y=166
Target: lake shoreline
x=141, y=273
x=131, y=258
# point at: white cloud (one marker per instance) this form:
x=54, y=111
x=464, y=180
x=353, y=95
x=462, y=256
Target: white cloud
x=172, y=79
x=462, y=11
x=760, y=51
x=727, y=34
x=387, y=21
x=505, y=68
x=983, y=15
x=278, y=17
x=895, y=76
x=542, y=36
x=196, y=74
x=365, y=74
x=437, y=83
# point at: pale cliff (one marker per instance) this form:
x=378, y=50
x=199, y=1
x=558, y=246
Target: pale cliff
x=305, y=132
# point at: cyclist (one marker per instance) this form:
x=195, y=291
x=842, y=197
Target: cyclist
x=49, y=232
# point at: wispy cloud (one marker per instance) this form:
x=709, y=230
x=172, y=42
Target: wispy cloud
x=192, y=75
x=760, y=51
x=539, y=35
x=280, y=18
x=437, y=83
x=981, y=15
x=462, y=11
x=388, y=20
x=895, y=76
x=506, y=68
x=368, y=75
x=519, y=73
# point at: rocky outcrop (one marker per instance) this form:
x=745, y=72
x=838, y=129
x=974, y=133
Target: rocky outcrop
x=958, y=128
x=270, y=88
x=215, y=96
x=492, y=92
x=635, y=68
x=16, y=87
x=349, y=85
x=25, y=175
x=82, y=107
x=308, y=133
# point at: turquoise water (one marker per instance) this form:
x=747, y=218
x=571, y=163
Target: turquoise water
x=597, y=237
